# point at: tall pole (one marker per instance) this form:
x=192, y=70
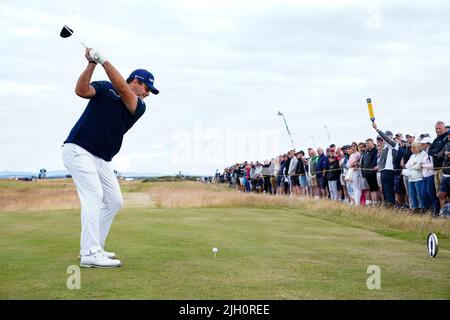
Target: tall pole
x=287, y=128
x=328, y=133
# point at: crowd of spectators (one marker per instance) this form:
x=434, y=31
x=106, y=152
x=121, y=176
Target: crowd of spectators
x=407, y=173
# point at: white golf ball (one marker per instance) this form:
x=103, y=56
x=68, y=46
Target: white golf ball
x=215, y=250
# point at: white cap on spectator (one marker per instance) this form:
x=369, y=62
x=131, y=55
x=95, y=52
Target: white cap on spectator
x=426, y=140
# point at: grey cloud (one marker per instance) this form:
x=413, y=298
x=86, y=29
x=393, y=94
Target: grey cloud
x=235, y=67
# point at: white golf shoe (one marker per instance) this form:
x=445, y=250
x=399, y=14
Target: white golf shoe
x=98, y=260
x=110, y=255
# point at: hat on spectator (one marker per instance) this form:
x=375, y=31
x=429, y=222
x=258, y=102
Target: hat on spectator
x=408, y=136
x=389, y=133
x=426, y=140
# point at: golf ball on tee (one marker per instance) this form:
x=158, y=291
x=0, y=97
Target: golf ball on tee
x=215, y=250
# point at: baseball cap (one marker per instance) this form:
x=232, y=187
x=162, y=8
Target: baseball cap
x=388, y=133
x=146, y=77
x=426, y=140
x=408, y=136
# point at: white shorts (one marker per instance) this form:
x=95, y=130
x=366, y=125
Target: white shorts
x=379, y=179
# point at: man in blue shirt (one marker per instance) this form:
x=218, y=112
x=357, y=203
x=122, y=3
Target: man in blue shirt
x=113, y=108
x=322, y=166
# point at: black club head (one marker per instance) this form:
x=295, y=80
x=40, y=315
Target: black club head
x=66, y=32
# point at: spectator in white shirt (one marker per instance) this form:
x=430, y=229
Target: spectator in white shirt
x=414, y=171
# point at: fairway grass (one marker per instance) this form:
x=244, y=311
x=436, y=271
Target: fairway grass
x=264, y=253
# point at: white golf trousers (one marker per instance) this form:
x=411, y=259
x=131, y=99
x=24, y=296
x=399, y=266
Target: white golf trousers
x=99, y=193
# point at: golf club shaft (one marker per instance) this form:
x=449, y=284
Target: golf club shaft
x=79, y=41
x=76, y=37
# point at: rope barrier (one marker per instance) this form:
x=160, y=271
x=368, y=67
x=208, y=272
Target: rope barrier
x=340, y=169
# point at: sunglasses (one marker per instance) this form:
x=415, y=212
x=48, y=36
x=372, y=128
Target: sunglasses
x=146, y=87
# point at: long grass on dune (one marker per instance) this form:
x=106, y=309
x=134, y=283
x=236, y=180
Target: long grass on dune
x=38, y=199
x=42, y=195
x=56, y=195
x=195, y=195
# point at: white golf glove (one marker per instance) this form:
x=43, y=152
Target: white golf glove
x=97, y=56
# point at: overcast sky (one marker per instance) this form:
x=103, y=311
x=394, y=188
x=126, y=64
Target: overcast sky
x=224, y=69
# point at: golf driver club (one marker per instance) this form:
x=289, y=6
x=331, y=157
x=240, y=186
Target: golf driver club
x=67, y=32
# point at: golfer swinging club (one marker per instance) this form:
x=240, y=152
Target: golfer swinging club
x=95, y=139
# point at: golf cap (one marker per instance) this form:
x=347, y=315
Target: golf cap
x=146, y=77
x=409, y=136
x=426, y=140
x=389, y=133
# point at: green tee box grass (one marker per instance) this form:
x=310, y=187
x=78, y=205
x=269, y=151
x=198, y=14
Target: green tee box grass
x=264, y=253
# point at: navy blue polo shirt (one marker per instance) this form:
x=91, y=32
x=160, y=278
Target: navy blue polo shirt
x=104, y=122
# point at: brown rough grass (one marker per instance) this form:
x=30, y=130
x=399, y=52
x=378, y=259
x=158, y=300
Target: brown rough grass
x=38, y=199
x=196, y=195
x=61, y=194
x=42, y=195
